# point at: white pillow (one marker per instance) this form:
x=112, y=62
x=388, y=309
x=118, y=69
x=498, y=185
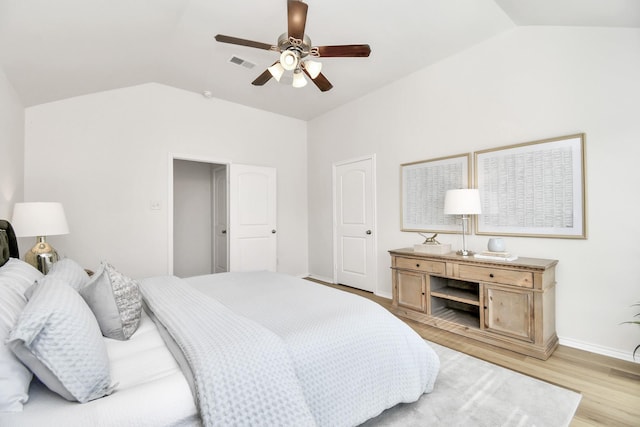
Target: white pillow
x=59, y=339
x=15, y=277
x=115, y=300
x=71, y=272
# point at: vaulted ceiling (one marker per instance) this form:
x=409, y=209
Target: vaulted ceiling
x=51, y=50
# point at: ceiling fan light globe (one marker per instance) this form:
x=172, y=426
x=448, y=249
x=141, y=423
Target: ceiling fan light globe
x=276, y=71
x=313, y=68
x=299, y=80
x=289, y=60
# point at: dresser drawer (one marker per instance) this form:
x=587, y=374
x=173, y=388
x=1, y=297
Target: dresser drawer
x=496, y=275
x=421, y=265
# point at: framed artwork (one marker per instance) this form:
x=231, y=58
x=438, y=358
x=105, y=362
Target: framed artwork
x=423, y=186
x=534, y=189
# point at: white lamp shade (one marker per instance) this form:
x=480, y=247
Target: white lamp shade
x=299, y=80
x=39, y=219
x=276, y=71
x=462, y=202
x=313, y=68
x=289, y=60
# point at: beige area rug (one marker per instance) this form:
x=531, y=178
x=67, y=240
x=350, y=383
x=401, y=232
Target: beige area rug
x=471, y=392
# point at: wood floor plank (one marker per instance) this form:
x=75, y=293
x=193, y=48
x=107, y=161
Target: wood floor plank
x=610, y=387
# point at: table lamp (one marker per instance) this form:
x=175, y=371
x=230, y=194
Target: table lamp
x=463, y=202
x=40, y=219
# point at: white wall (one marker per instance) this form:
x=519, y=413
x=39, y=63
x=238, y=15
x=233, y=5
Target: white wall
x=528, y=84
x=105, y=157
x=11, y=148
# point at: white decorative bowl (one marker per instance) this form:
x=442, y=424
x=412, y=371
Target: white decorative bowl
x=496, y=244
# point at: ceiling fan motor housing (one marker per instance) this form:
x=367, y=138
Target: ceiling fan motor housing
x=303, y=47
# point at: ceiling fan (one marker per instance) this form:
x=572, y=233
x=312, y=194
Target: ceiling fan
x=296, y=50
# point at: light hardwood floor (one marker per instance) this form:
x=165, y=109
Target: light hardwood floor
x=610, y=387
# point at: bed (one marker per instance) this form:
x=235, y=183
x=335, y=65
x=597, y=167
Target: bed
x=253, y=348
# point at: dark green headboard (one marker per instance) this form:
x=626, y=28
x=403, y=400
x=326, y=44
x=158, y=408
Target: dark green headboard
x=8, y=242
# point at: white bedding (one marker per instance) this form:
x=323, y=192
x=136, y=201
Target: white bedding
x=243, y=374
x=151, y=391
x=353, y=358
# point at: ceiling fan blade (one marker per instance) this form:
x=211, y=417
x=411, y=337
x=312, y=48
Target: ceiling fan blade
x=262, y=78
x=242, y=42
x=346, y=50
x=320, y=81
x=297, y=18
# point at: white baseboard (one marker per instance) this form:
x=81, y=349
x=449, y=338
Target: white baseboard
x=592, y=348
x=386, y=295
x=322, y=278
x=328, y=280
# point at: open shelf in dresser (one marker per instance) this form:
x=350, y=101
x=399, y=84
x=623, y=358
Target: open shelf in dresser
x=455, y=300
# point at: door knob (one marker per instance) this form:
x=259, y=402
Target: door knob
x=368, y=231
x=224, y=231
x=273, y=231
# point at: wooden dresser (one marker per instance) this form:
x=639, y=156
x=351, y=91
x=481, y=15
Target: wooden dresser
x=510, y=304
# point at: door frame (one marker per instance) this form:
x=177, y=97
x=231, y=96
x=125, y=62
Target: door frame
x=214, y=214
x=193, y=158
x=372, y=158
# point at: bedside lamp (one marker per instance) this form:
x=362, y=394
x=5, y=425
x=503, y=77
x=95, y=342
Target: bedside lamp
x=463, y=202
x=40, y=219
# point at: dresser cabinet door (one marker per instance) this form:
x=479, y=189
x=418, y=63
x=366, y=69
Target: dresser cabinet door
x=509, y=312
x=411, y=290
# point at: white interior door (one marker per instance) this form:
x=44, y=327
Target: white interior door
x=355, y=242
x=252, y=218
x=220, y=225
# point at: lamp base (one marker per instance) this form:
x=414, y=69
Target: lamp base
x=465, y=253
x=42, y=255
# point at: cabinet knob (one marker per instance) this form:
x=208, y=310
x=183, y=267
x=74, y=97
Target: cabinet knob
x=417, y=265
x=490, y=274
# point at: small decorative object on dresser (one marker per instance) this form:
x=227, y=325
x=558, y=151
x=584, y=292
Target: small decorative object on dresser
x=432, y=246
x=496, y=256
x=507, y=304
x=496, y=244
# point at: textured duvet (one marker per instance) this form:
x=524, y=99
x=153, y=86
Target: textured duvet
x=242, y=372
x=270, y=349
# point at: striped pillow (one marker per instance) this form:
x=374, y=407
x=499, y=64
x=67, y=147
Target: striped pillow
x=15, y=277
